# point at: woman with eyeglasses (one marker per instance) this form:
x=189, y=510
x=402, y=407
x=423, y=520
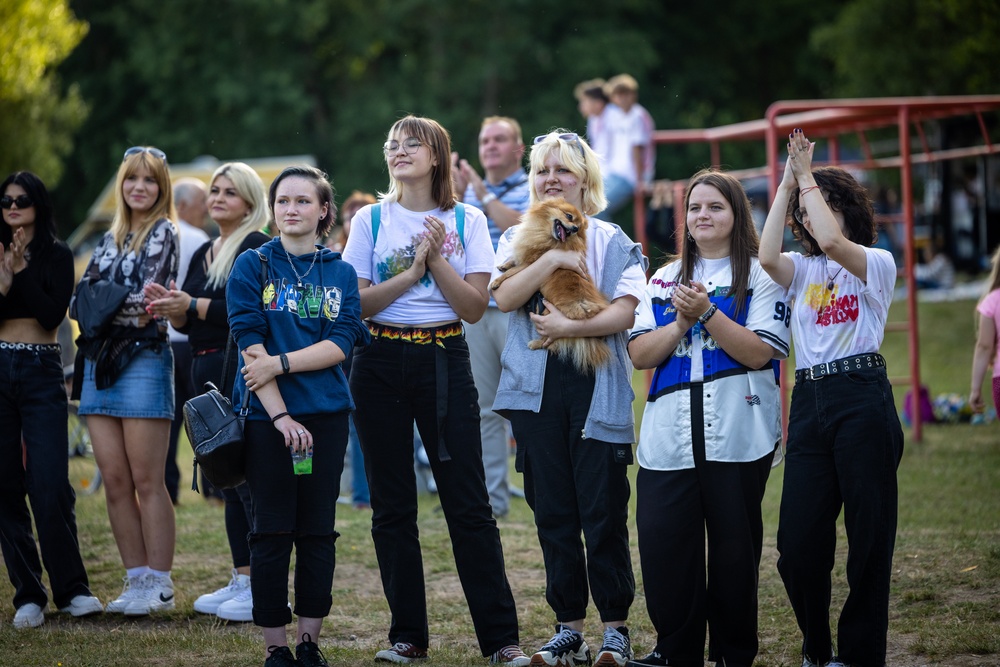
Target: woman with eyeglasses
x=710, y=324
x=237, y=203
x=36, y=283
x=575, y=431
x=844, y=437
x=423, y=262
x=127, y=381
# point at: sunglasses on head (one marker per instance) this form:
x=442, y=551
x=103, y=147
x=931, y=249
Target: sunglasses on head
x=155, y=152
x=569, y=136
x=22, y=201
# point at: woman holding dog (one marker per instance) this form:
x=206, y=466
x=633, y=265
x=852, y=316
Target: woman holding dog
x=844, y=437
x=710, y=324
x=574, y=430
x=128, y=381
x=423, y=262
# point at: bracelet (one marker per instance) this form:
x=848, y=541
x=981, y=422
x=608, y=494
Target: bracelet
x=279, y=416
x=805, y=191
x=285, y=368
x=490, y=197
x=707, y=315
x=193, y=307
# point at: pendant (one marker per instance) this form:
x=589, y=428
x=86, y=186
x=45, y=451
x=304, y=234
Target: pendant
x=829, y=285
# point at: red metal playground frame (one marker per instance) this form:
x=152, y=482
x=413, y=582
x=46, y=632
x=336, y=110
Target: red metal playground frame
x=829, y=120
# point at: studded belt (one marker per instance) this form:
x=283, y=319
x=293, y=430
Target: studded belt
x=845, y=365
x=31, y=347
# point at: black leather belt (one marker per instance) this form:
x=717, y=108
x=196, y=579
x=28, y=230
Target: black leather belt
x=845, y=365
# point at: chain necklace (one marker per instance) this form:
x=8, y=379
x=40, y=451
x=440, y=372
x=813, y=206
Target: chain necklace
x=829, y=284
x=306, y=274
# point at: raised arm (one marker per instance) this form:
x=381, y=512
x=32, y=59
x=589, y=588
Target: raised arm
x=778, y=266
x=986, y=345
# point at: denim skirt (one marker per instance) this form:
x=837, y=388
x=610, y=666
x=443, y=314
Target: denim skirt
x=144, y=390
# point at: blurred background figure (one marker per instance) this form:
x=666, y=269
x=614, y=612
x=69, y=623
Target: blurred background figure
x=988, y=324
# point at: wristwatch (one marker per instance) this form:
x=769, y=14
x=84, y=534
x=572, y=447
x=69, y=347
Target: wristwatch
x=285, y=367
x=193, y=307
x=707, y=315
x=490, y=197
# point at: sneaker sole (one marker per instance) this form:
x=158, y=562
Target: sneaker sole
x=150, y=609
x=399, y=659
x=246, y=617
x=565, y=661
x=606, y=659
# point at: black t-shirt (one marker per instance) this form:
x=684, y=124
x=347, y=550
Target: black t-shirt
x=42, y=290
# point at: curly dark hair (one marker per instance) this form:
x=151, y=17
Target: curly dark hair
x=844, y=194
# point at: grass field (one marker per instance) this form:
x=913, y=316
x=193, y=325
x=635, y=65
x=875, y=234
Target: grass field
x=945, y=605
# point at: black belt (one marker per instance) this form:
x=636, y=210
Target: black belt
x=845, y=365
x=31, y=347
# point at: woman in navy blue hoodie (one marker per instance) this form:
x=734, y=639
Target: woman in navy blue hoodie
x=293, y=330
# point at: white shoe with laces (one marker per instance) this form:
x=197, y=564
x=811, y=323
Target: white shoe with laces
x=83, y=605
x=29, y=616
x=209, y=602
x=239, y=608
x=156, y=594
x=130, y=591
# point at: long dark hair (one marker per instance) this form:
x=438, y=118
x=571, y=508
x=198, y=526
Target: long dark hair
x=844, y=194
x=45, y=222
x=743, y=242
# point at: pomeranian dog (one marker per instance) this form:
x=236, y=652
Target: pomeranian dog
x=555, y=223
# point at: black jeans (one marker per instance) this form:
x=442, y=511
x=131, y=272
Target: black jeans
x=293, y=510
x=674, y=511
x=395, y=383
x=33, y=405
x=576, y=486
x=844, y=446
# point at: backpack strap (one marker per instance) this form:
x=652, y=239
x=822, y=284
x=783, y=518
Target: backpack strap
x=459, y=221
x=376, y=221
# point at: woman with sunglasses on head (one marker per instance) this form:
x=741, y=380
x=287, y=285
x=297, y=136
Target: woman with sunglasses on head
x=36, y=283
x=423, y=261
x=710, y=324
x=575, y=431
x=844, y=437
x=294, y=326
x=237, y=203
x=128, y=382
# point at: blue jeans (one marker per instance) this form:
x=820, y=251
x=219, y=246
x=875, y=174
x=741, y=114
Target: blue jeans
x=395, y=383
x=359, y=479
x=619, y=193
x=844, y=446
x=33, y=405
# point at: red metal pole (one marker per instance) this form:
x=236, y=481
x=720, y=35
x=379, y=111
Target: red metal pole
x=906, y=179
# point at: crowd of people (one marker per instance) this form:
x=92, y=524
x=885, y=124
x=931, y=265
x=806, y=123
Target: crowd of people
x=348, y=344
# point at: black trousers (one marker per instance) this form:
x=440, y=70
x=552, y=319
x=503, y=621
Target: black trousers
x=674, y=511
x=395, y=383
x=576, y=487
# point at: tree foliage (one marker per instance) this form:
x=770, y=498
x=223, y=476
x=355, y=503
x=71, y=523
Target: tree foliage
x=37, y=120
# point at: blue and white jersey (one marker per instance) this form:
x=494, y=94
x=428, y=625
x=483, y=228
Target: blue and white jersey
x=742, y=415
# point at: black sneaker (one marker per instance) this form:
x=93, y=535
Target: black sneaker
x=616, y=650
x=566, y=648
x=309, y=654
x=280, y=656
x=654, y=659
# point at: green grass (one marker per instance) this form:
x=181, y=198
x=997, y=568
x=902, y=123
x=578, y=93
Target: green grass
x=944, y=609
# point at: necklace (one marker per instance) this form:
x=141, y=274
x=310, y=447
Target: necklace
x=306, y=274
x=829, y=284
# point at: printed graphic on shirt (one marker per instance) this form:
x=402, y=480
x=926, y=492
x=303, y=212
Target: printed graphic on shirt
x=830, y=308
x=401, y=259
x=308, y=301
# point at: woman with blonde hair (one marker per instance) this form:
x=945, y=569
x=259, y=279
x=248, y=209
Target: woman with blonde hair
x=988, y=324
x=237, y=203
x=575, y=430
x=127, y=389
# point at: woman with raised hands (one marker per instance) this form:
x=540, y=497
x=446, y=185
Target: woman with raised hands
x=844, y=436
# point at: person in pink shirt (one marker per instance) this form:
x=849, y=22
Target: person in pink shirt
x=988, y=314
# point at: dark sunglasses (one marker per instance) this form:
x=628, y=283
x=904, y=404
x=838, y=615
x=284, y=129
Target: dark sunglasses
x=22, y=201
x=155, y=152
x=569, y=136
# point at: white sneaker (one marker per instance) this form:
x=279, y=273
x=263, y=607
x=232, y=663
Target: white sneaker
x=130, y=591
x=83, y=605
x=157, y=595
x=240, y=608
x=209, y=602
x=29, y=616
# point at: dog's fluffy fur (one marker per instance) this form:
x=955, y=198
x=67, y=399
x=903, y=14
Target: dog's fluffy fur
x=555, y=223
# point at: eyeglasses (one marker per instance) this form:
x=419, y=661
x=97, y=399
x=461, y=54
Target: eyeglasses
x=155, y=152
x=22, y=201
x=411, y=146
x=569, y=136
x=801, y=213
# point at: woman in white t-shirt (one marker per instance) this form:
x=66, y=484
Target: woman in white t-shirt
x=844, y=437
x=711, y=323
x=988, y=324
x=423, y=262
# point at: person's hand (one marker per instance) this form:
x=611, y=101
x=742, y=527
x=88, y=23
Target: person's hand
x=691, y=302
x=261, y=369
x=473, y=178
x=6, y=272
x=458, y=177
x=788, y=176
x=154, y=291
x=552, y=326
x=976, y=400
x=18, y=247
x=297, y=437
x=568, y=259
x=172, y=303
x=435, y=236
x=800, y=154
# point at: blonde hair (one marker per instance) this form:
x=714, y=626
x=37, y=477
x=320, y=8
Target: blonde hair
x=163, y=207
x=514, y=125
x=623, y=83
x=433, y=135
x=251, y=190
x=581, y=160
